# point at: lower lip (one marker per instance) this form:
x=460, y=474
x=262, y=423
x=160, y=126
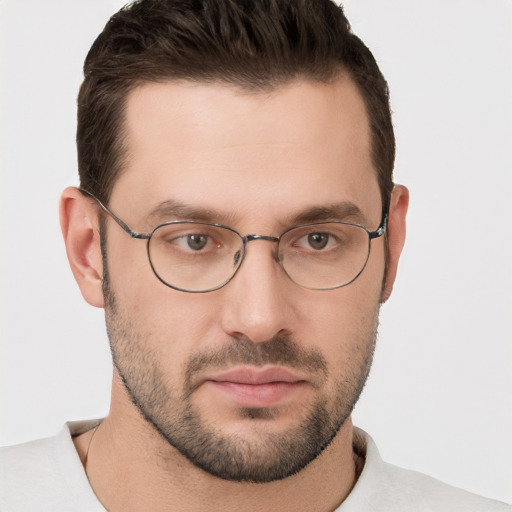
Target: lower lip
x=256, y=395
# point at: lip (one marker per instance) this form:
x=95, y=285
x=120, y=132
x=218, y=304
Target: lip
x=256, y=387
x=257, y=376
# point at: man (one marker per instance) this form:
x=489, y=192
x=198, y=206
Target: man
x=238, y=222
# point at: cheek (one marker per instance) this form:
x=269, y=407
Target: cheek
x=342, y=323
x=168, y=322
x=350, y=308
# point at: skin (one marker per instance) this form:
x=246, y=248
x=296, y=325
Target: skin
x=257, y=160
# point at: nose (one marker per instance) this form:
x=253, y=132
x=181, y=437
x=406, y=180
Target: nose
x=258, y=302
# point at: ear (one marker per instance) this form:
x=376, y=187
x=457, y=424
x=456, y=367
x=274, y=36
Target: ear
x=79, y=224
x=395, y=236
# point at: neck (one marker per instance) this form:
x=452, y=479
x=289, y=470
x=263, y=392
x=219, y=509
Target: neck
x=131, y=467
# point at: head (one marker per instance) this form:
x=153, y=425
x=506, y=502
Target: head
x=259, y=116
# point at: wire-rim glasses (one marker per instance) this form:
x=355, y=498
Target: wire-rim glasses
x=199, y=257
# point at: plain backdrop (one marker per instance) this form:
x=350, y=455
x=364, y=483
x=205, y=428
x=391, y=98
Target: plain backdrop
x=439, y=396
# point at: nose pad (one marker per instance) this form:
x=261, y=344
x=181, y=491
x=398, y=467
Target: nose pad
x=236, y=258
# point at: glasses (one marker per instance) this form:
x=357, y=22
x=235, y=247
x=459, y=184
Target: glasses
x=200, y=257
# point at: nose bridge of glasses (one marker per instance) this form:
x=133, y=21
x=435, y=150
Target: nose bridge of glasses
x=250, y=238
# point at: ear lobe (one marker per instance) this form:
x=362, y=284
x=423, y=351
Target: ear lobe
x=79, y=224
x=395, y=236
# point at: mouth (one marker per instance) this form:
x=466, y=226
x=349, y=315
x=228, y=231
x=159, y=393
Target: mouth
x=256, y=387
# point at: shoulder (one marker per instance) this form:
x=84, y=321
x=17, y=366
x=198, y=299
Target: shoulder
x=45, y=474
x=385, y=487
x=405, y=487
x=26, y=468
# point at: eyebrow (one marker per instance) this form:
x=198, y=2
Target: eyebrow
x=344, y=210
x=173, y=209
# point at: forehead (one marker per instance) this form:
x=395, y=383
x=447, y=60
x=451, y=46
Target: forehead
x=214, y=146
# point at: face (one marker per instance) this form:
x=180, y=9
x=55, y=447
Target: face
x=252, y=381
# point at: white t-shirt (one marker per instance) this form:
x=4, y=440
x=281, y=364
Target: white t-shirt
x=47, y=476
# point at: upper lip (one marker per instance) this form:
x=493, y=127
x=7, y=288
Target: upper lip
x=255, y=376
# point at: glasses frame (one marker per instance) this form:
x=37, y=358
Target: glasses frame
x=380, y=231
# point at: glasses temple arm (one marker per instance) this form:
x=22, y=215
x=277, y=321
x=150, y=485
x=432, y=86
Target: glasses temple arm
x=133, y=234
x=381, y=229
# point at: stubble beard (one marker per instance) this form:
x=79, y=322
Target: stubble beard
x=273, y=456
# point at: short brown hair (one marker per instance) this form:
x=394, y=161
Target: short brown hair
x=253, y=44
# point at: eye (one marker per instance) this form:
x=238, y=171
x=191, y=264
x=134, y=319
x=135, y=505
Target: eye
x=196, y=242
x=188, y=239
x=318, y=241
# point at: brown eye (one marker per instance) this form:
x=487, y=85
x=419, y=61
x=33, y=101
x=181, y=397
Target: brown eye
x=318, y=241
x=197, y=242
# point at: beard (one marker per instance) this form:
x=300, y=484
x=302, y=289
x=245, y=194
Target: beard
x=232, y=456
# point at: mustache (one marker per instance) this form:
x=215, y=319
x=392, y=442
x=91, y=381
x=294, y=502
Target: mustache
x=279, y=350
